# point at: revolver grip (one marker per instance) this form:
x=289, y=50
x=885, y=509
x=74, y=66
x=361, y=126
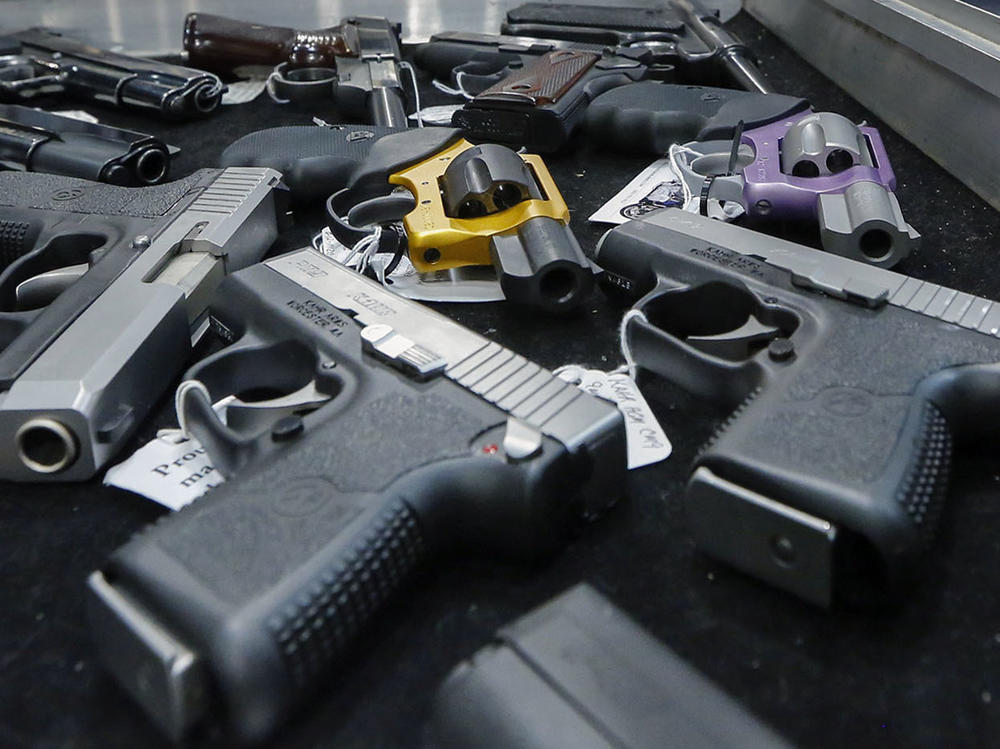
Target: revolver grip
x=648, y=117
x=315, y=162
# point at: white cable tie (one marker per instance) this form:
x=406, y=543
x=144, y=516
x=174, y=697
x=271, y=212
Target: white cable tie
x=446, y=89
x=179, y=397
x=674, y=152
x=269, y=87
x=630, y=364
x=416, y=91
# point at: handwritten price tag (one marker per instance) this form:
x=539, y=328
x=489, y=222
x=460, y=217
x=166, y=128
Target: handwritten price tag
x=647, y=442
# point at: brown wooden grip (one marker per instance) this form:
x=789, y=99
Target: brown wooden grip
x=219, y=43
x=545, y=80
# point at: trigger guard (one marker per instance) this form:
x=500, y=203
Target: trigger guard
x=382, y=210
x=724, y=187
x=305, y=84
x=475, y=76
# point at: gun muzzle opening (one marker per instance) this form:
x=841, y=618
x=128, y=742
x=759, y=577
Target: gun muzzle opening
x=45, y=445
x=151, y=166
x=875, y=244
x=207, y=97
x=805, y=168
x=838, y=160
x=558, y=285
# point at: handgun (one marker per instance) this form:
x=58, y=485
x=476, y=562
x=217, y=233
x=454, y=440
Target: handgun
x=528, y=92
x=37, y=62
x=385, y=435
x=103, y=292
x=813, y=166
x=850, y=384
x=38, y=141
x=464, y=205
x=683, y=33
x=577, y=672
x=355, y=64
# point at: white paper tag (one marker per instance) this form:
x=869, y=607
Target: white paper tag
x=473, y=283
x=437, y=115
x=647, y=442
x=657, y=186
x=172, y=469
x=242, y=92
x=468, y=284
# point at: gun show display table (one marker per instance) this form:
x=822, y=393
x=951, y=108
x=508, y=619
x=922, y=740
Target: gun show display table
x=924, y=673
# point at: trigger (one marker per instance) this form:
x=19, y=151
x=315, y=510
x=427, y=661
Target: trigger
x=383, y=209
x=739, y=344
x=250, y=418
x=38, y=291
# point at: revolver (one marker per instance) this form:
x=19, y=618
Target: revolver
x=814, y=166
x=369, y=434
x=464, y=205
x=103, y=292
x=850, y=385
x=356, y=64
x=37, y=62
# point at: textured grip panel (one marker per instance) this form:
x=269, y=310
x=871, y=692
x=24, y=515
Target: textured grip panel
x=12, y=241
x=315, y=161
x=545, y=80
x=335, y=605
x=49, y=192
x=922, y=491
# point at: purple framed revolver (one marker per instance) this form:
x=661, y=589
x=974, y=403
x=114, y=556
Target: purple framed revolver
x=809, y=166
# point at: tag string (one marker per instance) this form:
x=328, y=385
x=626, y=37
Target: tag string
x=403, y=65
x=630, y=363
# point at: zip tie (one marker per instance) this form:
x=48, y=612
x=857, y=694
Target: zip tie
x=676, y=149
x=459, y=90
x=269, y=87
x=416, y=91
x=180, y=396
x=630, y=364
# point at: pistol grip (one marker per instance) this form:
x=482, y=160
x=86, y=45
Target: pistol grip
x=219, y=43
x=272, y=577
x=836, y=496
x=17, y=238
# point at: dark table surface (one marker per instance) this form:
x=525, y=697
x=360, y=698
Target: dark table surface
x=925, y=674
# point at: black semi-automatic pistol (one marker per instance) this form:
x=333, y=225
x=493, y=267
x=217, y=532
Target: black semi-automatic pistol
x=368, y=435
x=850, y=384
